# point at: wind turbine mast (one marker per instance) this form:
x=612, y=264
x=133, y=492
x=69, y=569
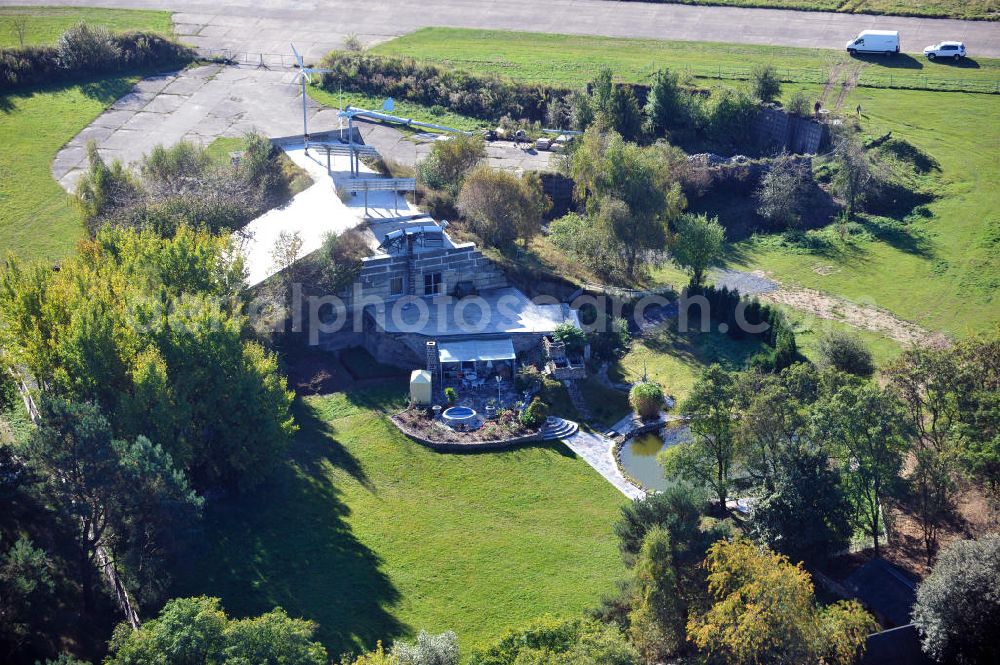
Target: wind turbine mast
x=305, y=77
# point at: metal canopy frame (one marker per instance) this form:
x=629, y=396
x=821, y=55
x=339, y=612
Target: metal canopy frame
x=345, y=150
x=394, y=185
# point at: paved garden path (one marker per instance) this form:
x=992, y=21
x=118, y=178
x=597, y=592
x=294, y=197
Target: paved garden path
x=598, y=451
x=316, y=26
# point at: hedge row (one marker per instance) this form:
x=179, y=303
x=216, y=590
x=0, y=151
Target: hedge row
x=486, y=97
x=97, y=52
x=776, y=333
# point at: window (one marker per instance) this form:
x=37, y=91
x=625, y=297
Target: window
x=396, y=286
x=432, y=283
x=949, y=47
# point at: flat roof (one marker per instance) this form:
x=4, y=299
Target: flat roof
x=494, y=312
x=476, y=349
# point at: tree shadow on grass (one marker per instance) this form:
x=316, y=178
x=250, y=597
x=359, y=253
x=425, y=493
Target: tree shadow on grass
x=898, y=235
x=106, y=91
x=289, y=544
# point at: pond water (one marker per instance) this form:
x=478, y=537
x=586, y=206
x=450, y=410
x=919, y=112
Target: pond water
x=638, y=455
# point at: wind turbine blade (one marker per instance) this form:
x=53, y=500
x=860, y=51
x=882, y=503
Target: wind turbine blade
x=298, y=58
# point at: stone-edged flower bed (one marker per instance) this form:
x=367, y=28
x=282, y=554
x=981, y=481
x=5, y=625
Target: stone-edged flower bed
x=503, y=432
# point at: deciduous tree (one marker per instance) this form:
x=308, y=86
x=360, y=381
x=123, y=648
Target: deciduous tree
x=501, y=207
x=782, y=192
x=763, y=611
x=958, y=604
x=194, y=631
x=708, y=458
x=866, y=427
x=697, y=244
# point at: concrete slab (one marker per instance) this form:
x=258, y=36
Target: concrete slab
x=133, y=101
x=184, y=85
x=113, y=118
x=153, y=84
x=165, y=103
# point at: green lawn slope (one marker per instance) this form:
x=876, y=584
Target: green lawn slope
x=37, y=218
x=375, y=537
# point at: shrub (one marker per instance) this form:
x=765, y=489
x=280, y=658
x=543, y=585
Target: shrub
x=548, y=640
x=528, y=378
x=536, y=413
x=587, y=242
x=646, y=399
x=88, y=48
x=449, y=161
x=450, y=395
x=8, y=389
x=181, y=186
x=501, y=207
x=730, y=118
x=799, y=104
x=353, y=43
x=846, y=352
x=669, y=105
x=571, y=336
x=958, y=604
x=766, y=323
x=428, y=650
x=782, y=191
x=85, y=51
x=479, y=96
x=606, y=344
x=764, y=83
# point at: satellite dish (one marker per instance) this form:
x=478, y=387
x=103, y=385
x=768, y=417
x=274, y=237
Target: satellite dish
x=389, y=105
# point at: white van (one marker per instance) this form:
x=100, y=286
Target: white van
x=875, y=41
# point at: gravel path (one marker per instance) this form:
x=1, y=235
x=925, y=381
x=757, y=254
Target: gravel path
x=826, y=306
x=747, y=283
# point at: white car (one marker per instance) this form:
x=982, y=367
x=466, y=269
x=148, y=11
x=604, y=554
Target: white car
x=954, y=50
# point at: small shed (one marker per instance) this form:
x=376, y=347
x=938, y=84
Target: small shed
x=420, y=386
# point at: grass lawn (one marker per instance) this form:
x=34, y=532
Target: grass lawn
x=675, y=360
x=969, y=9
x=810, y=329
x=573, y=60
x=44, y=25
x=37, y=218
x=376, y=537
x=944, y=273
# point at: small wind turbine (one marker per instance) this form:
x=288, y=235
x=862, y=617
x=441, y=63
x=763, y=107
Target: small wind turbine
x=304, y=77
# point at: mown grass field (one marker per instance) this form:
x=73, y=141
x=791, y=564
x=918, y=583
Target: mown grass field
x=375, y=537
x=37, y=218
x=573, y=60
x=968, y=9
x=43, y=25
